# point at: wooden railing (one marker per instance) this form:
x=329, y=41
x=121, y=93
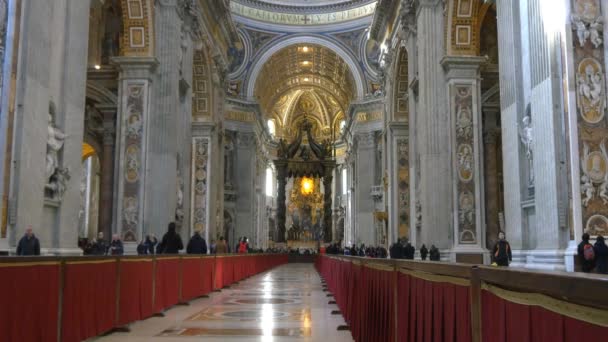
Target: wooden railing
x=389, y=300
x=75, y=298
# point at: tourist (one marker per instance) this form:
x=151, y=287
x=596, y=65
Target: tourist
x=242, y=247
x=212, y=247
x=29, y=244
x=409, y=251
x=586, y=254
x=197, y=244
x=238, y=244
x=172, y=242
x=434, y=254
x=601, y=255
x=396, y=252
x=116, y=247
x=221, y=247
x=100, y=246
x=502, y=251
x=142, y=248
x=423, y=252
x=151, y=243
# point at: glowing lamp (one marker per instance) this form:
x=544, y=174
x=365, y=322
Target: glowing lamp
x=307, y=186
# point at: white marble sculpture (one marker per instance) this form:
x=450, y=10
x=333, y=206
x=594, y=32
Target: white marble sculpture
x=587, y=189
x=586, y=29
x=58, y=183
x=54, y=144
x=526, y=135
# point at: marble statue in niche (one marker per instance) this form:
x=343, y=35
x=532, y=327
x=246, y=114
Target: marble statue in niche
x=590, y=92
x=130, y=211
x=179, y=206
x=526, y=136
x=464, y=123
x=466, y=212
x=58, y=184
x=132, y=174
x=228, y=150
x=54, y=144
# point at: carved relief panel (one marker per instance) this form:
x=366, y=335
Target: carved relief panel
x=403, y=187
x=465, y=163
x=200, y=158
x=589, y=61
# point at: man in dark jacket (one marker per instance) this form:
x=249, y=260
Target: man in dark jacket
x=100, y=246
x=197, y=244
x=502, y=251
x=116, y=247
x=434, y=254
x=172, y=242
x=423, y=252
x=601, y=255
x=588, y=263
x=395, y=250
x=409, y=251
x=29, y=244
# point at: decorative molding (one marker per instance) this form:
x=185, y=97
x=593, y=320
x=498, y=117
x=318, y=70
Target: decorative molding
x=200, y=161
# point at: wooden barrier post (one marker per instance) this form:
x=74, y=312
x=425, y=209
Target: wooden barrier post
x=475, y=305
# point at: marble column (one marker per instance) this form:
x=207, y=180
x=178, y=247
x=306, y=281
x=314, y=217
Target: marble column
x=490, y=138
x=467, y=153
x=132, y=130
x=364, y=181
x=245, y=184
x=281, y=168
x=433, y=136
x=512, y=108
x=327, y=183
x=107, y=169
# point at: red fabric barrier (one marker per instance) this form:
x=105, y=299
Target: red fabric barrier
x=136, y=281
x=432, y=311
x=89, y=299
x=207, y=265
x=167, y=283
x=29, y=311
x=504, y=321
x=218, y=273
x=192, y=278
x=228, y=274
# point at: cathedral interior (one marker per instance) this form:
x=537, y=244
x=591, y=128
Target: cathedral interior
x=447, y=123
x=304, y=125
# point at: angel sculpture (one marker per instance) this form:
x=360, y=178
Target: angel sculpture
x=587, y=189
x=595, y=30
x=604, y=190
x=581, y=29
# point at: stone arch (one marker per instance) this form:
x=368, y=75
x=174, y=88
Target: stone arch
x=462, y=34
x=137, y=28
x=278, y=45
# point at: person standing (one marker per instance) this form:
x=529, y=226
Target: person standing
x=151, y=243
x=29, y=244
x=586, y=254
x=172, y=242
x=423, y=252
x=242, y=247
x=502, y=251
x=197, y=244
x=100, y=246
x=221, y=247
x=116, y=247
x=434, y=254
x=601, y=255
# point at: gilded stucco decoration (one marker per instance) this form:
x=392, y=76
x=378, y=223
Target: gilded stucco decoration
x=401, y=104
x=462, y=28
x=138, y=28
x=589, y=59
x=201, y=88
x=305, y=81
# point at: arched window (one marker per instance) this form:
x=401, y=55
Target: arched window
x=269, y=183
x=342, y=126
x=271, y=127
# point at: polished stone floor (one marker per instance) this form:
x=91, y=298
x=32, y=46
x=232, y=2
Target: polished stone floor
x=284, y=304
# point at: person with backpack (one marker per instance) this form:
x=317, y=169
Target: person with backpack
x=502, y=251
x=586, y=254
x=601, y=255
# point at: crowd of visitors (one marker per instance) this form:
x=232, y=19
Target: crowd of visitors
x=361, y=251
x=593, y=256
x=403, y=249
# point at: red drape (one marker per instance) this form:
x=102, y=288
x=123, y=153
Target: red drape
x=219, y=272
x=167, y=283
x=29, y=311
x=208, y=270
x=192, y=278
x=228, y=271
x=136, y=280
x=89, y=299
x=504, y=321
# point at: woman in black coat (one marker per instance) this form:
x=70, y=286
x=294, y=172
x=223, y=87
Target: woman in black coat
x=172, y=242
x=601, y=255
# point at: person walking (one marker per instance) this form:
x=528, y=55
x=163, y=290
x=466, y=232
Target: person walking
x=601, y=255
x=171, y=242
x=197, y=244
x=586, y=254
x=502, y=251
x=423, y=252
x=29, y=244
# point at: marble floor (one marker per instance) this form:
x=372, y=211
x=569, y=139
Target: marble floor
x=284, y=304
